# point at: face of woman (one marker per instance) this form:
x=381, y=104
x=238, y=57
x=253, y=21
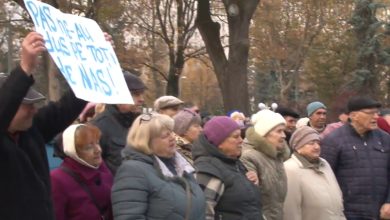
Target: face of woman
x=91, y=151
x=276, y=137
x=193, y=132
x=311, y=150
x=231, y=146
x=164, y=145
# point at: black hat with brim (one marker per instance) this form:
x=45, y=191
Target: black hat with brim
x=359, y=103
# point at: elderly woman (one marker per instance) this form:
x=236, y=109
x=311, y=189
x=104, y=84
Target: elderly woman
x=264, y=151
x=229, y=188
x=81, y=186
x=187, y=129
x=154, y=180
x=313, y=191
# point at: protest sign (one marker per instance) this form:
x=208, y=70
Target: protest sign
x=79, y=49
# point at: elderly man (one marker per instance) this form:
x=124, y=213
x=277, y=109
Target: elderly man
x=359, y=153
x=116, y=120
x=168, y=105
x=24, y=130
x=316, y=111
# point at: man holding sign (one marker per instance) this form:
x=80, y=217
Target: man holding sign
x=24, y=130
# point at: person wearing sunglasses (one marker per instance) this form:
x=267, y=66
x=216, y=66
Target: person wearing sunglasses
x=154, y=180
x=81, y=186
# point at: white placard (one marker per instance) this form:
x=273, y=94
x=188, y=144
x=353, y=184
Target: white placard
x=79, y=49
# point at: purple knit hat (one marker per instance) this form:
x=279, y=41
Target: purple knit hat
x=219, y=128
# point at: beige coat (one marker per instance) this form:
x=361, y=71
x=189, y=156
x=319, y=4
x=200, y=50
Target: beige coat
x=259, y=156
x=312, y=194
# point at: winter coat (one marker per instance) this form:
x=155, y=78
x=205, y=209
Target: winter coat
x=141, y=191
x=241, y=198
x=362, y=169
x=259, y=156
x=25, y=186
x=184, y=147
x=114, y=127
x=71, y=201
x=312, y=194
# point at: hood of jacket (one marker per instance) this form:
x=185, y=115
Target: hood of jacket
x=260, y=144
x=202, y=147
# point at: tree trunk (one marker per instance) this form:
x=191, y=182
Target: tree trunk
x=231, y=72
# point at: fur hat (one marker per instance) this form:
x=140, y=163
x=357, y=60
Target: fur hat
x=265, y=120
x=302, y=136
x=166, y=102
x=314, y=106
x=184, y=119
x=219, y=128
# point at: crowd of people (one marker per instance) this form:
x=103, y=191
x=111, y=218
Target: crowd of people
x=174, y=163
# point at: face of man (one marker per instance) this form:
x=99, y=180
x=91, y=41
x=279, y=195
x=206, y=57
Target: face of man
x=318, y=118
x=291, y=123
x=23, y=118
x=138, y=98
x=364, y=120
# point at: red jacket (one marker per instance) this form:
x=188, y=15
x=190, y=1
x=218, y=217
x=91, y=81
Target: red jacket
x=71, y=202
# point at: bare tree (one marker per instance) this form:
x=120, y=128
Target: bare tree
x=231, y=69
x=172, y=23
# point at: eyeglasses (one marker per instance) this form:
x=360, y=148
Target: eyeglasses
x=145, y=117
x=375, y=112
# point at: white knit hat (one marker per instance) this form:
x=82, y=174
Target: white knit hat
x=265, y=120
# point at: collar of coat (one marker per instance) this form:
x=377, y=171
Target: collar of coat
x=260, y=144
x=305, y=164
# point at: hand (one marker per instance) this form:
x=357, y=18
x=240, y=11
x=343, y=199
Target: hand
x=252, y=176
x=385, y=211
x=108, y=38
x=32, y=46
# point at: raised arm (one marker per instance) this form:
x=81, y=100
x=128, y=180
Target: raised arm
x=15, y=87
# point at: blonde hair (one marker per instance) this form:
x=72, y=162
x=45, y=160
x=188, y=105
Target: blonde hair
x=145, y=128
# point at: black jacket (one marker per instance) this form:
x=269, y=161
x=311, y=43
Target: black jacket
x=25, y=181
x=114, y=127
x=241, y=198
x=362, y=168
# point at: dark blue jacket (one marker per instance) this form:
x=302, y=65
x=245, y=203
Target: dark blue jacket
x=25, y=180
x=362, y=168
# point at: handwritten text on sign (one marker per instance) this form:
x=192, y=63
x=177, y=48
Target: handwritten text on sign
x=79, y=49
